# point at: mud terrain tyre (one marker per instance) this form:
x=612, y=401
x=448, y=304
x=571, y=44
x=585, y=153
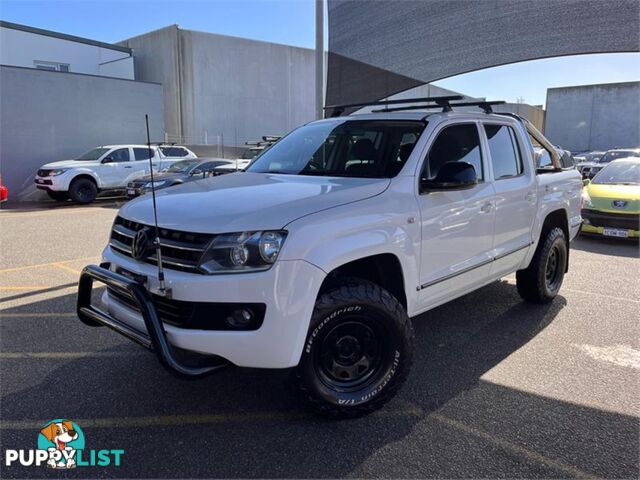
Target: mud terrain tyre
x=540, y=282
x=83, y=191
x=358, y=351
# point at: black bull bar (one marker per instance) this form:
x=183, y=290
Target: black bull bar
x=155, y=339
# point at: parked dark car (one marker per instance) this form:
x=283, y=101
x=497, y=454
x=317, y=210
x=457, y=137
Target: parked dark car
x=179, y=172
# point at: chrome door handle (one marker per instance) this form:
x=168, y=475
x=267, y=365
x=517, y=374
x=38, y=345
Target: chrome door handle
x=486, y=208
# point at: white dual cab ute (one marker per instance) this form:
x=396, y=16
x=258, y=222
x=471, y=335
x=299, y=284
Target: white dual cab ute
x=105, y=168
x=317, y=257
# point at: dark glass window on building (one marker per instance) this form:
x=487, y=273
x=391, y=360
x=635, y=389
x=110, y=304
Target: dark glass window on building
x=458, y=143
x=505, y=155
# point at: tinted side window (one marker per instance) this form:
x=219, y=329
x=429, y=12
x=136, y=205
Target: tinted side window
x=458, y=143
x=174, y=152
x=120, y=155
x=505, y=155
x=142, y=153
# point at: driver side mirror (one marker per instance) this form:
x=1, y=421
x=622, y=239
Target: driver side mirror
x=107, y=160
x=451, y=176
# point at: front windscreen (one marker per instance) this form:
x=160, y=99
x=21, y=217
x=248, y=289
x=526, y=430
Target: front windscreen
x=94, y=154
x=180, y=167
x=352, y=148
x=619, y=173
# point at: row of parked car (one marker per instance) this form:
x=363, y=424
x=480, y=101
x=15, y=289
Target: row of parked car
x=590, y=163
x=116, y=168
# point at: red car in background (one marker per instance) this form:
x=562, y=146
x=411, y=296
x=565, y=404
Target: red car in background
x=4, y=193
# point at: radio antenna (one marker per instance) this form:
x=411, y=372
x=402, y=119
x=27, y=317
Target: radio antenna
x=156, y=242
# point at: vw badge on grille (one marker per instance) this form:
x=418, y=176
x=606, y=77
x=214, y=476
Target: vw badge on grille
x=619, y=203
x=140, y=243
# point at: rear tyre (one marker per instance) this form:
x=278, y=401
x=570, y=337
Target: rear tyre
x=58, y=196
x=358, y=351
x=540, y=282
x=83, y=190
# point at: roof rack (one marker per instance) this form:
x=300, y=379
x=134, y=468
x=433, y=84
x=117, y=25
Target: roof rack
x=483, y=104
x=439, y=101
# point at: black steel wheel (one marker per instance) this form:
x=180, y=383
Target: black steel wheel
x=83, y=190
x=540, y=282
x=358, y=351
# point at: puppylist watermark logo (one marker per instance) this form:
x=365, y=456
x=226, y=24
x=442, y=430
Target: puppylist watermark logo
x=61, y=445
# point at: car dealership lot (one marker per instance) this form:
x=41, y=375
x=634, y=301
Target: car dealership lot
x=499, y=388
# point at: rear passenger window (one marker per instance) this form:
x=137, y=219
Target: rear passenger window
x=142, y=153
x=505, y=155
x=458, y=143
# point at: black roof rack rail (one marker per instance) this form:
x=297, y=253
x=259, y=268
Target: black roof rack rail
x=441, y=101
x=483, y=104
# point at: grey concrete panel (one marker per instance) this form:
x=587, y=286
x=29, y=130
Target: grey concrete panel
x=226, y=89
x=49, y=116
x=594, y=117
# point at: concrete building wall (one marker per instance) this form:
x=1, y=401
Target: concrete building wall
x=594, y=117
x=48, y=116
x=218, y=86
x=22, y=48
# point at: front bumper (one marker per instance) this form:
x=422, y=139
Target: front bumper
x=288, y=290
x=56, y=183
x=596, y=222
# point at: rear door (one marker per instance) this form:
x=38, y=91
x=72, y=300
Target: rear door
x=456, y=225
x=516, y=194
x=141, y=161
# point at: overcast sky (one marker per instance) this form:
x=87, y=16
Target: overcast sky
x=292, y=22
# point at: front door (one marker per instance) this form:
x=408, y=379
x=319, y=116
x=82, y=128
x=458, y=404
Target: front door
x=116, y=169
x=456, y=225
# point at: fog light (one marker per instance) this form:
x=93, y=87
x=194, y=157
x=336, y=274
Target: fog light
x=241, y=318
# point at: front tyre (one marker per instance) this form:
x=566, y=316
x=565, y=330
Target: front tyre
x=540, y=282
x=358, y=351
x=83, y=191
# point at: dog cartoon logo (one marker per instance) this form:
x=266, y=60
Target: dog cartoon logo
x=61, y=438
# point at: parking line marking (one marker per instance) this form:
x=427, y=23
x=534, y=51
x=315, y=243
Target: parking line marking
x=26, y=287
x=68, y=269
x=66, y=355
x=512, y=447
x=38, y=265
x=36, y=315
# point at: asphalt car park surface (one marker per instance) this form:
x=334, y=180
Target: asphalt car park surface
x=499, y=388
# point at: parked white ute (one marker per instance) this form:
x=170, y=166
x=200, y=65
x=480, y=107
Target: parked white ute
x=318, y=256
x=109, y=167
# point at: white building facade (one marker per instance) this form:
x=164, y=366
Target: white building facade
x=29, y=47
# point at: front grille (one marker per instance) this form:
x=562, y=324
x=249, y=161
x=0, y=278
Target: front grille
x=43, y=172
x=624, y=221
x=180, y=250
x=195, y=315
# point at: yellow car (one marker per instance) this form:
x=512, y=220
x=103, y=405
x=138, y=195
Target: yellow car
x=611, y=201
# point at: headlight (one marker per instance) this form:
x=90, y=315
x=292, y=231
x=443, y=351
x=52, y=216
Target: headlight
x=57, y=171
x=157, y=184
x=242, y=252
